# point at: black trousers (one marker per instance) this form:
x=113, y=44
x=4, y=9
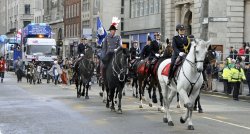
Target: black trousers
x=248, y=82
x=225, y=84
x=229, y=87
x=236, y=89
x=2, y=75
x=171, y=71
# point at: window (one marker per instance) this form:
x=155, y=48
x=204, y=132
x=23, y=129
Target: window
x=146, y=9
x=72, y=11
x=25, y=23
x=151, y=6
x=122, y=3
x=141, y=8
x=27, y=8
x=137, y=8
x=157, y=6
x=85, y=24
x=132, y=13
x=122, y=24
x=78, y=9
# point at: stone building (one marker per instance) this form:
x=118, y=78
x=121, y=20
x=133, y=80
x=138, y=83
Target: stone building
x=141, y=17
x=225, y=22
x=17, y=14
x=91, y=9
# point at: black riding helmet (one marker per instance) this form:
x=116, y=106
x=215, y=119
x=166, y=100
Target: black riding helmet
x=180, y=27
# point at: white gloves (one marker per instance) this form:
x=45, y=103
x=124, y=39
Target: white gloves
x=81, y=55
x=157, y=55
x=115, y=50
x=137, y=57
x=181, y=54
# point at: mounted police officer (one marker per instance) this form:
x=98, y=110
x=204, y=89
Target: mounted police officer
x=134, y=50
x=111, y=43
x=82, y=46
x=155, y=47
x=181, y=46
x=146, y=50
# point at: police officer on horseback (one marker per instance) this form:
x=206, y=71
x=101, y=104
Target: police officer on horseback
x=181, y=46
x=146, y=50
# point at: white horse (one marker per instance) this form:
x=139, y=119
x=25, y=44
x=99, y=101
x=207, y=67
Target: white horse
x=189, y=81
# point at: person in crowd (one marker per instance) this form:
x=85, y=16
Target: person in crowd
x=236, y=76
x=57, y=71
x=19, y=66
x=2, y=68
x=248, y=78
x=232, y=53
x=225, y=75
x=134, y=50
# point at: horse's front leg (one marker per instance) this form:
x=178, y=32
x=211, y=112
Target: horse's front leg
x=150, y=96
x=120, y=103
x=112, y=94
x=169, y=95
x=140, y=93
x=107, y=97
x=87, y=91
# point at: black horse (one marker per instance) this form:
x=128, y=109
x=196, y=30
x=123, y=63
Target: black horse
x=115, y=78
x=84, y=73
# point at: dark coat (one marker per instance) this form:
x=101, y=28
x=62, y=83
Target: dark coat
x=145, y=52
x=133, y=53
x=248, y=74
x=178, y=44
x=81, y=48
x=154, y=48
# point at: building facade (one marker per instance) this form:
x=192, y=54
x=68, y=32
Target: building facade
x=72, y=26
x=17, y=14
x=142, y=17
x=38, y=11
x=224, y=22
x=91, y=9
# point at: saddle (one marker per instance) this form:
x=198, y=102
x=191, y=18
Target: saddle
x=178, y=63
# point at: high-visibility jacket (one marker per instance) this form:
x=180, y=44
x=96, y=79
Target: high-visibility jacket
x=236, y=75
x=225, y=73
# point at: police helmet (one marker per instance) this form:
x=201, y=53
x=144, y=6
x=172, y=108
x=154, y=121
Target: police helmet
x=180, y=27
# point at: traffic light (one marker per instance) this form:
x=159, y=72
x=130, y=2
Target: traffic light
x=59, y=43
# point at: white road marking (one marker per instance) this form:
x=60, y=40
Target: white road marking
x=232, y=124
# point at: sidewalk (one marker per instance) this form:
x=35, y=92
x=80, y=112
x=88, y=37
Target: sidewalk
x=220, y=88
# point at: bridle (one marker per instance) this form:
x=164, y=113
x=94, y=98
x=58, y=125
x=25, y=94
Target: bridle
x=120, y=70
x=194, y=64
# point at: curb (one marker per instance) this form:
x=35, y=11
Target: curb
x=242, y=97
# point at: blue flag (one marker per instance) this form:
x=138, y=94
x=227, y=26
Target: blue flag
x=101, y=32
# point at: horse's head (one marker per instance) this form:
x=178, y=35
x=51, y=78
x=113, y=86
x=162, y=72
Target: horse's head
x=123, y=54
x=199, y=49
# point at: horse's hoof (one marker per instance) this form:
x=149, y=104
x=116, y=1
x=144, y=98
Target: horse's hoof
x=154, y=99
x=119, y=111
x=107, y=105
x=140, y=106
x=86, y=97
x=143, y=98
x=136, y=96
x=133, y=95
x=170, y=123
x=124, y=94
x=178, y=106
x=195, y=109
x=150, y=104
x=101, y=94
x=200, y=111
x=188, y=106
x=112, y=109
x=182, y=121
x=190, y=127
x=83, y=94
x=165, y=120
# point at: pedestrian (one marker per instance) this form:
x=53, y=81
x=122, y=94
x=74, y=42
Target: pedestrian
x=248, y=78
x=2, y=68
x=19, y=69
x=236, y=76
x=57, y=71
x=232, y=53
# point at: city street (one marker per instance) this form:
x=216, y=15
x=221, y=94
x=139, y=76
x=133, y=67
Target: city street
x=50, y=109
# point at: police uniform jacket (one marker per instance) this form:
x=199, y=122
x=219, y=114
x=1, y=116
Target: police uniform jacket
x=179, y=44
x=236, y=75
x=154, y=48
x=81, y=48
x=110, y=44
x=145, y=52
